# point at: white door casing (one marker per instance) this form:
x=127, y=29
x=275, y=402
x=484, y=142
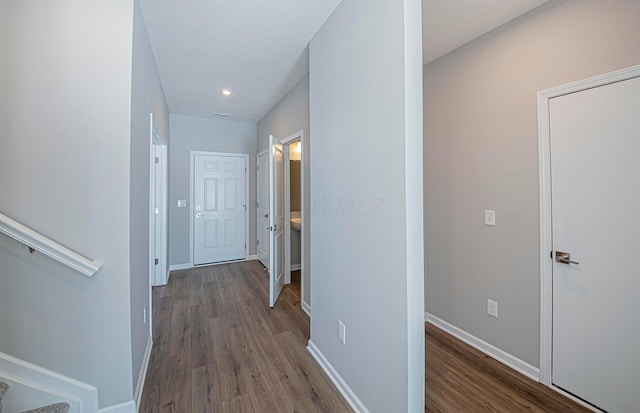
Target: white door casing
x=263, y=208
x=219, y=207
x=590, y=198
x=276, y=219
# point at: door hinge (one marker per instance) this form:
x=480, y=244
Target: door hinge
x=257, y=242
x=551, y=254
x=157, y=160
x=156, y=262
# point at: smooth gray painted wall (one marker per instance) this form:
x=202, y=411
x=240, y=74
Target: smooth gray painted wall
x=146, y=97
x=288, y=116
x=199, y=134
x=481, y=153
x=359, y=212
x=65, y=108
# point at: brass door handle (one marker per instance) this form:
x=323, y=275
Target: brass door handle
x=565, y=258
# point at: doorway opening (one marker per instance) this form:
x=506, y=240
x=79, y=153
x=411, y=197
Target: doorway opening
x=295, y=203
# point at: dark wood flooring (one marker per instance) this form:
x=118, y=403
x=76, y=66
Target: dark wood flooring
x=218, y=347
x=460, y=378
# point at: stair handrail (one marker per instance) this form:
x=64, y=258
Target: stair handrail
x=38, y=242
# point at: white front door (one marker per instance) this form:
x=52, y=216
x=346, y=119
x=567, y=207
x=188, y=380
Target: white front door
x=595, y=179
x=263, y=208
x=219, y=208
x=276, y=219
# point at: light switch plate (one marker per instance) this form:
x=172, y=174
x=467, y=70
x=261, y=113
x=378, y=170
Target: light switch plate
x=490, y=217
x=182, y=203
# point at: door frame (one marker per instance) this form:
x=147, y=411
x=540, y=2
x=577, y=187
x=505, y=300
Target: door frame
x=192, y=156
x=258, y=189
x=546, y=244
x=299, y=135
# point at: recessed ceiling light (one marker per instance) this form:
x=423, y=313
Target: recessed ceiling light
x=226, y=92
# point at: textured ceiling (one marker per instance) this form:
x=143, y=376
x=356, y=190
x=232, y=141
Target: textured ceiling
x=258, y=48
x=449, y=24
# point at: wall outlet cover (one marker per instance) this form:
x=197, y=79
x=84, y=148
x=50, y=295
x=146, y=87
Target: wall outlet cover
x=492, y=308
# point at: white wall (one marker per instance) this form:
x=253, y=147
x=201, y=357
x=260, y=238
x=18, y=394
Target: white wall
x=199, y=134
x=481, y=153
x=146, y=97
x=366, y=260
x=65, y=107
x=288, y=116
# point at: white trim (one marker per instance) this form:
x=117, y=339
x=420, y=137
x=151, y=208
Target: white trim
x=546, y=242
x=252, y=257
x=143, y=372
x=80, y=395
x=296, y=267
x=178, y=267
x=128, y=407
x=287, y=213
x=352, y=399
x=413, y=204
x=306, y=308
x=192, y=155
x=48, y=247
x=488, y=349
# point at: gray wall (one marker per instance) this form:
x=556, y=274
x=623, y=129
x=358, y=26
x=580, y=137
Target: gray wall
x=146, y=97
x=481, y=153
x=199, y=134
x=360, y=257
x=65, y=96
x=288, y=116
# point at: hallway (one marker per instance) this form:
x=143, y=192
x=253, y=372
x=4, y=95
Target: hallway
x=218, y=347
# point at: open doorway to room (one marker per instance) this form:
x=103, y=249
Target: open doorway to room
x=294, y=232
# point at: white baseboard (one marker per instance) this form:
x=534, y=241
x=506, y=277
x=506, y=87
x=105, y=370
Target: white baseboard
x=39, y=384
x=252, y=257
x=143, y=372
x=178, y=267
x=489, y=349
x=342, y=386
x=128, y=407
x=296, y=267
x=306, y=308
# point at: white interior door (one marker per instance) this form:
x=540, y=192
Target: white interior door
x=263, y=208
x=159, y=275
x=595, y=172
x=276, y=219
x=219, y=208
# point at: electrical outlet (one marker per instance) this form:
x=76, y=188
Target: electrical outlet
x=492, y=308
x=490, y=217
x=145, y=314
x=341, y=332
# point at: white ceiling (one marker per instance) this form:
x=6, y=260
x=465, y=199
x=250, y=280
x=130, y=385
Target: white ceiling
x=257, y=48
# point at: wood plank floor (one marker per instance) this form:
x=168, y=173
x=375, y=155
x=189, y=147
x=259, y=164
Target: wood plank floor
x=218, y=347
x=460, y=378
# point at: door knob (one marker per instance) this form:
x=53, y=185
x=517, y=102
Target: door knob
x=565, y=258
x=198, y=215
